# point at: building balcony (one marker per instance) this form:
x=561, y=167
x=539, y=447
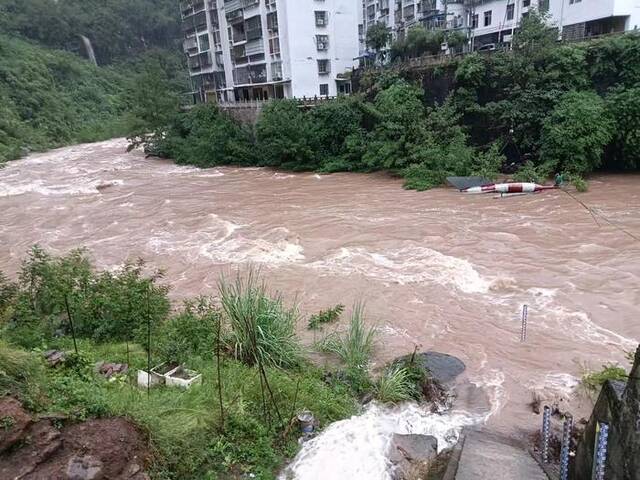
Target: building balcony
x=190, y=8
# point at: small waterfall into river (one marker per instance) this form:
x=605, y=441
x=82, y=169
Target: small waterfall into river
x=88, y=48
x=356, y=448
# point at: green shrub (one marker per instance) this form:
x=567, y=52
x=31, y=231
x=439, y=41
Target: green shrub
x=284, y=135
x=487, y=164
x=394, y=386
x=592, y=381
x=400, y=125
x=580, y=183
x=623, y=105
x=323, y=317
x=420, y=177
x=191, y=333
x=206, y=137
x=262, y=329
x=577, y=131
x=530, y=173
x=8, y=291
x=103, y=306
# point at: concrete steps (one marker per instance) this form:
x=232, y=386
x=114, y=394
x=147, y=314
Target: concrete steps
x=489, y=457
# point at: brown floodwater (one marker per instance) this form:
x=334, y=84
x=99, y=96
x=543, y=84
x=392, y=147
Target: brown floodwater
x=438, y=270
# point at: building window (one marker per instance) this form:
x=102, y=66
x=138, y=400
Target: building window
x=487, y=18
x=322, y=19
x=324, y=67
x=526, y=3
x=204, y=42
x=274, y=46
x=324, y=89
x=543, y=5
x=371, y=13
x=253, y=28
x=474, y=21
x=510, y=11
x=322, y=42
x=272, y=21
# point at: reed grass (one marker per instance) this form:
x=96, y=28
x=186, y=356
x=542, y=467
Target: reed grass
x=261, y=327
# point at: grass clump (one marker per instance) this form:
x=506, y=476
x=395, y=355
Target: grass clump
x=355, y=346
x=21, y=375
x=261, y=328
x=395, y=385
x=324, y=317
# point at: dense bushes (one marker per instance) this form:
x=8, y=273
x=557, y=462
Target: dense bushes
x=103, y=306
x=394, y=132
x=576, y=132
x=539, y=101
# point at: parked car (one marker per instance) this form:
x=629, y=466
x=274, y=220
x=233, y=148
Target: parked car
x=487, y=47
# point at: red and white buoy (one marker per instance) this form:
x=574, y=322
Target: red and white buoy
x=509, y=188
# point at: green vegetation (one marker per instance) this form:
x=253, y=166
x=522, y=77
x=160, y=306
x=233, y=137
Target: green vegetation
x=50, y=95
x=395, y=385
x=377, y=38
x=50, y=98
x=419, y=41
x=323, y=317
x=541, y=109
x=593, y=381
x=262, y=329
x=255, y=378
x=355, y=346
x=142, y=24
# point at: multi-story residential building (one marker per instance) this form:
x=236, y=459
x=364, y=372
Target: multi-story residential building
x=401, y=15
x=260, y=49
x=493, y=22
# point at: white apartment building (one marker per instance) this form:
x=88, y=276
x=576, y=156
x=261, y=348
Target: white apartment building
x=489, y=22
x=241, y=50
x=494, y=21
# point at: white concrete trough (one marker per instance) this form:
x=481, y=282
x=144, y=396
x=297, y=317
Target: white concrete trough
x=158, y=375
x=183, y=377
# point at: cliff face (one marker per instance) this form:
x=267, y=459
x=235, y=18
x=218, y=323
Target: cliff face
x=619, y=406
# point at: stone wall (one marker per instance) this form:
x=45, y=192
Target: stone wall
x=245, y=113
x=619, y=406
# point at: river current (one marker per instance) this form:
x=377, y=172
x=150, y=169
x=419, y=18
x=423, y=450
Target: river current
x=438, y=270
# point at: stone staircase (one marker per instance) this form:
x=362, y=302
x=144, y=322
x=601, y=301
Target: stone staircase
x=484, y=456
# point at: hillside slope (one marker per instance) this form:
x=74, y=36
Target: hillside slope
x=50, y=98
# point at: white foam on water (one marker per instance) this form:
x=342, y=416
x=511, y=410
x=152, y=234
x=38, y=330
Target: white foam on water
x=220, y=242
x=39, y=187
x=493, y=382
x=356, y=448
x=557, y=385
x=581, y=325
x=282, y=176
x=411, y=264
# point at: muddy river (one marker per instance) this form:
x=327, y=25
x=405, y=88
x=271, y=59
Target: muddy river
x=439, y=269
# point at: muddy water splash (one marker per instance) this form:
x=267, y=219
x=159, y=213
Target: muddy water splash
x=439, y=270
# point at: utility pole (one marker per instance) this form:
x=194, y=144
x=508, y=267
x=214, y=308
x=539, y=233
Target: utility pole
x=446, y=23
